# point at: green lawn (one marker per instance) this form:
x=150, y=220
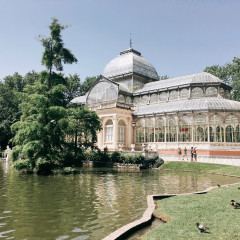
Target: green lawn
x=212, y=210
x=203, y=167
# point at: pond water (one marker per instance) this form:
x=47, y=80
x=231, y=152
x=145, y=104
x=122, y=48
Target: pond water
x=89, y=205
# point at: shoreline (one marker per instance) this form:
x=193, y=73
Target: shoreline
x=148, y=215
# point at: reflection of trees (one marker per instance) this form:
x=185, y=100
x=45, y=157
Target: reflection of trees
x=99, y=201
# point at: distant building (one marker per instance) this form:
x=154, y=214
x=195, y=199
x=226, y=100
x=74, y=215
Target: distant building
x=163, y=115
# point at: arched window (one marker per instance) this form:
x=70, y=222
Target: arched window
x=197, y=92
x=145, y=99
x=215, y=128
x=121, y=131
x=184, y=129
x=160, y=130
x=173, y=95
x=109, y=131
x=154, y=98
x=211, y=92
x=102, y=92
x=171, y=130
x=200, y=129
x=149, y=130
x=136, y=101
x=229, y=133
x=163, y=97
x=219, y=134
x=237, y=134
x=222, y=92
x=121, y=99
x=128, y=100
x=139, y=129
x=184, y=93
x=232, y=121
x=227, y=94
x=199, y=134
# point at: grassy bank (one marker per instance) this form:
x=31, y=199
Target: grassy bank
x=212, y=210
x=202, y=167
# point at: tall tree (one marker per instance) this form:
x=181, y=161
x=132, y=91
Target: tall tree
x=73, y=87
x=230, y=74
x=40, y=134
x=89, y=81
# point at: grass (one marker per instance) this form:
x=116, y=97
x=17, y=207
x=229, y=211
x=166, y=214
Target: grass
x=202, y=167
x=212, y=210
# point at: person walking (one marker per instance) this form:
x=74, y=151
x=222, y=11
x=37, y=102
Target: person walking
x=185, y=153
x=191, y=152
x=195, y=154
x=179, y=153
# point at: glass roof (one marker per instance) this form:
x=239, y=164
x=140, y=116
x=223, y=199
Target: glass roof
x=201, y=77
x=206, y=105
x=129, y=61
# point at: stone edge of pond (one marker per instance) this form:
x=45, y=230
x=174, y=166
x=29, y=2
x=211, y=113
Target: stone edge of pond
x=147, y=217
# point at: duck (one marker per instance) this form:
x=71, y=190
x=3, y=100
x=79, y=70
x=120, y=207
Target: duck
x=202, y=228
x=235, y=204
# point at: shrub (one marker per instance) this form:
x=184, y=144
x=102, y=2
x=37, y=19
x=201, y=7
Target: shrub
x=115, y=157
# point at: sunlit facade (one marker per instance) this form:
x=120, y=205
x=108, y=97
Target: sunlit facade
x=140, y=111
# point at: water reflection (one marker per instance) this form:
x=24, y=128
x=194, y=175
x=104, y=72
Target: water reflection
x=89, y=205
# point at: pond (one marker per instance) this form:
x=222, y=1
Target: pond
x=89, y=205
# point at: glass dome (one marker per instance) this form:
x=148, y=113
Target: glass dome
x=129, y=62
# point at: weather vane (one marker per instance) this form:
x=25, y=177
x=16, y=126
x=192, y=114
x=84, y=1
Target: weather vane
x=130, y=40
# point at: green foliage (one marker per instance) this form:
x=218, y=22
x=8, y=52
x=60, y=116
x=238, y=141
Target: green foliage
x=114, y=157
x=89, y=81
x=40, y=135
x=55, y=54
x=10, y=97
x=164, y=77
x=158, y=163
x=230, y=74
x=212, y=210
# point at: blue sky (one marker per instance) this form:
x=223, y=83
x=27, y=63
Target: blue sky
x=178, y=37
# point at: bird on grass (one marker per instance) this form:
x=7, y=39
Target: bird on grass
x=219, y=185
x=235, y=204
x=202, y=228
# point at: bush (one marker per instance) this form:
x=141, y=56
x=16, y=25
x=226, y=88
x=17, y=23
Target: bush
x=158, y=163
x=115, y=157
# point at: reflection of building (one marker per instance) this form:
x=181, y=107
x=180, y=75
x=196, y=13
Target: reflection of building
x=193, y=110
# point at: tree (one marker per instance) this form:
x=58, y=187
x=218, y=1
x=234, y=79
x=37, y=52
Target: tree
x=10, y=113
x=164, y=77
x=83, y=127
x=73, y=87
x=40, y=133
x=89, y=81
x=230, y=74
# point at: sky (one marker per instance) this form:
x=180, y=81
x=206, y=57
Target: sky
x=178, y=37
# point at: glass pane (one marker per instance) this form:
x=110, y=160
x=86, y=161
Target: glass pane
x=173, y=95
x=184, y=93
x=211, y=91
x=163, y=96
x=197, y=92
x=103, y=91
x=231, y=119
x=128, y=100
x=121, y=99
x=145, y=99
x=154, y=98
